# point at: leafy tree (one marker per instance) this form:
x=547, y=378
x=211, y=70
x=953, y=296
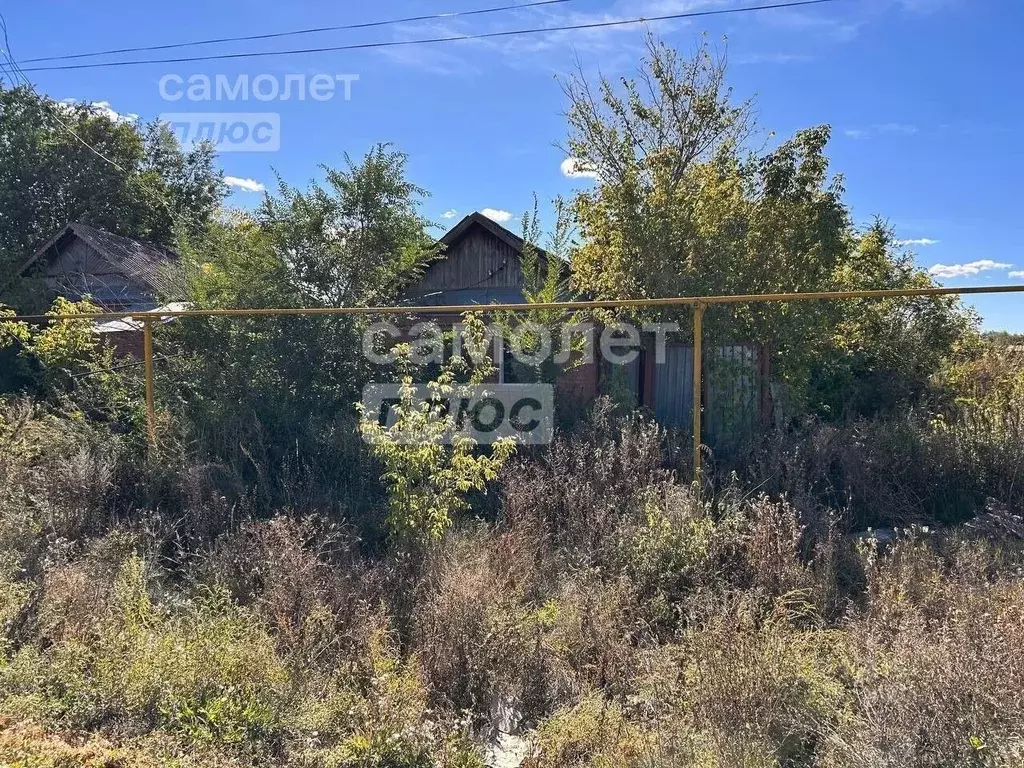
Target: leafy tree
x=355, y=241
x=1004, y=338
x=883, y=353
x=683, y=207
x=67, y=365
x=64, y=162
x=183, y=188
x=545, y=280
x=351, y=244
x=281, y=389
x=651, y=147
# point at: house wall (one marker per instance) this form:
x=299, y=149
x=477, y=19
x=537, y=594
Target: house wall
x=735, y=397
x=79, y=271
x=481, y=268
x=671, y=387
x=478, y=269
x=581, y=382
x=126, y=344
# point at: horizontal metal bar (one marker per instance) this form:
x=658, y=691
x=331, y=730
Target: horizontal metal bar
x=682, y=301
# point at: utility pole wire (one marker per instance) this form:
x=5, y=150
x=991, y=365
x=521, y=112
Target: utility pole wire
x=54, y=110
x=297, y=32
x=424, y=41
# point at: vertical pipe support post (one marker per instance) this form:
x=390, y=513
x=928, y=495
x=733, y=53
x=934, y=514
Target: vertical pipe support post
x=147, y=355
x=698, y=365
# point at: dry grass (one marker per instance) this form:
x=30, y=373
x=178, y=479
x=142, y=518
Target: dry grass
x=606, y=617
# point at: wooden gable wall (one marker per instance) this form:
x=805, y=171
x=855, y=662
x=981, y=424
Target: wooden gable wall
x=477, y=260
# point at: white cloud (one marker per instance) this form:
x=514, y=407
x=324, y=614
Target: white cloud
x=1017, y=273
x=918, y=241
x=449, y=214
x=927, y=6
x=771, y=58
x=101, y=108
x=598, y=40
x=616, y=47
x=573, y=168
x=966, y=270
x=246, y=185
x=903, y=129
x=502, y=217
x=834, y=28
x=104, y=108
x=434, y=59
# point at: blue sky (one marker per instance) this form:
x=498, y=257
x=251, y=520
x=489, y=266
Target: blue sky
x=924, y=96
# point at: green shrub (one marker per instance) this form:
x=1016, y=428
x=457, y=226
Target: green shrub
x=593, y=733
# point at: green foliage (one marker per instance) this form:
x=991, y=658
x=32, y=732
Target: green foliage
x=608, y=617
x=356, y=241
x=146, y=187
x=272, y=397
x=886, y=353
x=651, y=226
x=682, y=208
x=990, y=381
x=15, y=372
x=594, y=732
x=429, y=466
x=388, y=725
x=66, y=363
x=545, y=280
x=162, y=670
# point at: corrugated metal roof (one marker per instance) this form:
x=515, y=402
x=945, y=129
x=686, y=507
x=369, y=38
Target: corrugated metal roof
x=135, y=323
x=147, y=263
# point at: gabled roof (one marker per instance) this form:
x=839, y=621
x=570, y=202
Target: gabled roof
x=457, y=232
x=514, y=241
x=147, y=263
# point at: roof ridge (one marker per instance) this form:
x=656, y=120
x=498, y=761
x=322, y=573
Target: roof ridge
x=503, y=233
x=75, y=226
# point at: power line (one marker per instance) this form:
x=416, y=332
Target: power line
x=8, y=72
x=423, y=41
x=54, y=110
x=297, y=32
x=13, y=73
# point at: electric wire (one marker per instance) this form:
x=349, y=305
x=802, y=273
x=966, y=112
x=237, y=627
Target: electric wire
x=431, y=40
x=297, y=32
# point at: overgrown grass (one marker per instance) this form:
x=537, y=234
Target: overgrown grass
x=606, y=618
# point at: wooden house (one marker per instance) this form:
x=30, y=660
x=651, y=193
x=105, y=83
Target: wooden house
x=481, y=264
x=117, y=273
